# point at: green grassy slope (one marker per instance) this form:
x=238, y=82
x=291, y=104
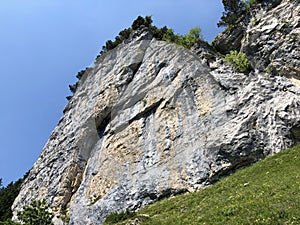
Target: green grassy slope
x=266, y=193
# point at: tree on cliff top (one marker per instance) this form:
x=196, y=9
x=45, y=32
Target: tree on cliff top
x=233, y=9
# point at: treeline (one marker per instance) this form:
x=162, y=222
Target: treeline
x=163, y=34
x=7, y=197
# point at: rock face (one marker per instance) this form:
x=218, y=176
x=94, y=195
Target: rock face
x=269, y=35
x=152, y=120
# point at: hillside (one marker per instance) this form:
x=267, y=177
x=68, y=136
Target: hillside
x=266, y=193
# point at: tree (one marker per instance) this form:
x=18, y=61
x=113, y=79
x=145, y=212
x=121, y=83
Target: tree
x=141, y=21
x=7, y=197
x=195, y=33
x=37, y=213
x=233, y=9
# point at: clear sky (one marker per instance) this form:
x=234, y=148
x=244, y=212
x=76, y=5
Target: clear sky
x=44, y=43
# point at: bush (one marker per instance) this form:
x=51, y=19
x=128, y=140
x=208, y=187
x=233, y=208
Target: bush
x=9, y=222
x=186, y=41
x=238, y=60
x=37, y=213
x=118, y=217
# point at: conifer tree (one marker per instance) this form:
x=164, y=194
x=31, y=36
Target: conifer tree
x=233, y=9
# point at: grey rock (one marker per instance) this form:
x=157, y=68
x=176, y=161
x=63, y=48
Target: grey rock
x=272, y=40
x=151, y=120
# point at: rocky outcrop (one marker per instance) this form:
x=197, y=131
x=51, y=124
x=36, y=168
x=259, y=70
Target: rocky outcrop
x=151, y=120
x=269, y=35
x=272, y=40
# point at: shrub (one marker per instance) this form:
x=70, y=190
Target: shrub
x=37, y=213
x=186, y=41
x=238, y=60
x=9, y=222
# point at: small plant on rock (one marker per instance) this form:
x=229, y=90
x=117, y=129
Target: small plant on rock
x=37, y=213
x=238, y=61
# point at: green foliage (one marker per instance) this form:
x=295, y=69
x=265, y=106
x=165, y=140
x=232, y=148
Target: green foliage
x=73, y=87
x=9, y=222
x=37, y=213
x=65, y=216
x=270, y=69
x=118, y=217
x=194, y=36
x=124, y=34
x=164, y=33
x=238, y=60
x=195, y=33
x=7, y=197
x=265, y=193
x=141, y=21
x=233, y=10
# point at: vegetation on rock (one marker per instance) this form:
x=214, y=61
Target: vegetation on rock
x=37, y=213
x=73, y=87
x=238, y=61
x=234, y=9
x=163, y=34
x=34, y=214
x=265, y=193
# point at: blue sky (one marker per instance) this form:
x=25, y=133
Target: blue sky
x=44, y=43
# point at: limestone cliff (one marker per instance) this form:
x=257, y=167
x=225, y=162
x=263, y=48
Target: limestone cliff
x=152, y=119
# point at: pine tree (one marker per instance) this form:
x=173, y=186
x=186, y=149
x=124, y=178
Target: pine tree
x=233, y=9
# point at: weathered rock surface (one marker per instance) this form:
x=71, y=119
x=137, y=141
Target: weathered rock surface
x=269, y=35
x=151, y=120
x=272, y=40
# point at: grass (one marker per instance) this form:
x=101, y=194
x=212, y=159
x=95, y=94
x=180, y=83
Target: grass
x=266, y=193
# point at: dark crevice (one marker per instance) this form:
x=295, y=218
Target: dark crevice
x=296, y=134
x=160, y=66
x=149, y=110
x=103, y=124
x=135, y=67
